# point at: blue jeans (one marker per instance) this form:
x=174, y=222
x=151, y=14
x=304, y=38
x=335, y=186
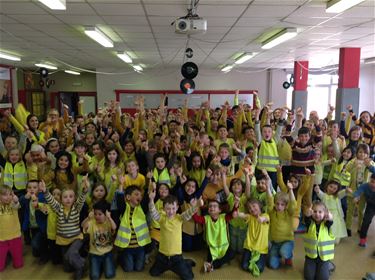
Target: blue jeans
x=280, y=250
x=246, y=257
x=237, y=238
x=96, y=263
x=133, y=259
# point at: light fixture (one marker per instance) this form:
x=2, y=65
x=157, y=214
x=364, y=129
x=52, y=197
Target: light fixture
x=54, y=4
x=48, y=66
x=244, y=57
x=338, y=6
x=72, y=72
x=9, y=57
x=227, y=68
x=280, y=37
x=98, y=36
x=125, y=57
x=137, y=68
x=370, y=60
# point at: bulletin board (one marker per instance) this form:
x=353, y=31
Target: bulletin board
x=5, y=87
x=216, y=98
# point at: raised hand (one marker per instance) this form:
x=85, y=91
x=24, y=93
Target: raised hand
x=85, y=183
x=42, y=186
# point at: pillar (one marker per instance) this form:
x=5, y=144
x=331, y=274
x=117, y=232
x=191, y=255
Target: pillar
x=301, y=72
x=348, y=90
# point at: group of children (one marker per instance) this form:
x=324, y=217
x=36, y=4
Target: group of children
x=111, y=188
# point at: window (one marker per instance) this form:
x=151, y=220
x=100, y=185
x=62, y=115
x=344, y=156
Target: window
x=321, y=92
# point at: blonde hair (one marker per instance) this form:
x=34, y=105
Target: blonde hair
x=5, y=189
x=281, y=196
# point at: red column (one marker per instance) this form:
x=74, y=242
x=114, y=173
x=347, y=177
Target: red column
x=348, y=91
x=301, y=73
x=349, y=63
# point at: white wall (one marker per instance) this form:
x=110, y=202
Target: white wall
x=169, y=79
x=367, y=88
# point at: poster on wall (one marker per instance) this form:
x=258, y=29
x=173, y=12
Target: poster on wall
x=5, y=88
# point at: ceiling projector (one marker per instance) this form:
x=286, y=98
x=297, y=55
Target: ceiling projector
x=192, y=25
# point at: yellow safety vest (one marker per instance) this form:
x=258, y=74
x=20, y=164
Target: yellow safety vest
x=15, y=175
x=341, y=175
x=163, y=177
x=323, y=246
x=140, y=228
x=216, y=236
x=268, y=157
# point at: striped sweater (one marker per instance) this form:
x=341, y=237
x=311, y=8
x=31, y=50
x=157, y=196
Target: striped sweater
x=67, y=225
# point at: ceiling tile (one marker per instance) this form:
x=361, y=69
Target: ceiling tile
x=119, y=9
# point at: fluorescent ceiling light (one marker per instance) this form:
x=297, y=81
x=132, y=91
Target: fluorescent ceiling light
x=370, y=60
x=98, y=36
x=137, y=68
x=227, y=68
x=338, y=6
x=72, y=72
x=54, y=4
x=9, y=57
x=48, y=66
x=281, y=37
x=125, y=57
x=244, y=57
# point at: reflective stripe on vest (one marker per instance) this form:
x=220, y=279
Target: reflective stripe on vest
x=216, y=236
x=140, y=228
x=268, y=157
x=323, y=246
x=15, y=175
x=163, y=177
x=341, y=175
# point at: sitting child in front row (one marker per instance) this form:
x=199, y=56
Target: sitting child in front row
x=101, y=228
x=133, y=234
x=170, y=256
x=256, y=242
x=281, y=210
x=319, y=242
x=216, y=235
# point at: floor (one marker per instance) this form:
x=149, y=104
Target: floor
x=352, y=262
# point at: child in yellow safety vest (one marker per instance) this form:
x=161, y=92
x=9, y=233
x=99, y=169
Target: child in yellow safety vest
x=215, y=224
x=133, y=234
x=256, y=242
x=319, y=242
x=268, y=156
x=160, y=172
x=14, y=174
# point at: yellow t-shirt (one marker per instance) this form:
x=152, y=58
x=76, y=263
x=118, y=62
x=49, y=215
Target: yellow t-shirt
x=237, y=222
x=101, y=237
x=281, y=223
x=9, y=223
x=170, y=235
x=257, y=235
x=139, y=181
